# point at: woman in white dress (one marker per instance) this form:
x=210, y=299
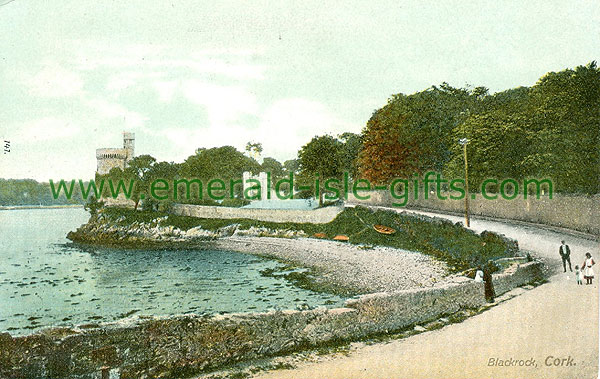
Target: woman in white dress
x=588, y=271
x=479, y=275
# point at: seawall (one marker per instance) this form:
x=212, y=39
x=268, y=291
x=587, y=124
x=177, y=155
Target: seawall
x=316, y=216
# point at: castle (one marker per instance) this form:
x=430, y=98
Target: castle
x=108, y=158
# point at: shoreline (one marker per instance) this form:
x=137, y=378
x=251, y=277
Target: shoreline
x=19, y=207
x=364, y=266
x=333, y=267
x=344, y=268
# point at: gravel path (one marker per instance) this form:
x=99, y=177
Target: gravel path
x=349, y=268
x=556, y=320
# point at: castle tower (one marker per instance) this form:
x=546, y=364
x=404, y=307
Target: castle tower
x=129, y=144
x=109, y=158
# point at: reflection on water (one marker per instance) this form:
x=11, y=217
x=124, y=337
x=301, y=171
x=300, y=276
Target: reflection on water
x=46, y=281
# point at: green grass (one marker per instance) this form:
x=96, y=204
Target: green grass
x=460, y=248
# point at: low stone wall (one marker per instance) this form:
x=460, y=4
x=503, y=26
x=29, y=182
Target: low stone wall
x=577, y=212
x=517, y=276
x=316, y=216
x=180, y=346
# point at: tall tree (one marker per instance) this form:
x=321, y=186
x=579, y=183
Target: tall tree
x=272, y=166
x=351, y=144
x=321, y=158
x=413, y=134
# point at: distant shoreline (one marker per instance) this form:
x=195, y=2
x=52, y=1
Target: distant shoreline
x=15, y=207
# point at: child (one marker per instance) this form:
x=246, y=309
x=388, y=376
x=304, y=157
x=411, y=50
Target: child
x=588, y=272
x=578, y=275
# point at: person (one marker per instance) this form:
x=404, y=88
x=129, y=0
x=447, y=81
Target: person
x=565, y=254
x=578, y=275
x=479, y=275
x=588, y=271
x=488, y=285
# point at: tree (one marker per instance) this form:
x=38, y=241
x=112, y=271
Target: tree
x=225, y=163
x=413, y=134
x=93, y=205
x=273, y=166
x=254, y=149
x=321, y=157
x=498, y=147
x=138, y=170
x=291, y=166
x=351, y=144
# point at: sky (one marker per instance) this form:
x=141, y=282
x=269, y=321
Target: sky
x=188, y=74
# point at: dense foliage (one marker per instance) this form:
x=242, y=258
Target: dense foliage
x=550, y=130
x=326, y=157
x=30, y=192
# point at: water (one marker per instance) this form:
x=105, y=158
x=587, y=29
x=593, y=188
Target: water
x=46, y=281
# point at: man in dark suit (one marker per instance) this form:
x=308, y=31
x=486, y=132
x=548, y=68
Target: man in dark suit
x=565, y=254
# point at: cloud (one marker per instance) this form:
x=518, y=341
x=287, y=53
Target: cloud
x=186, y=141
x=165, y=90
x=283, y=127
x=46, y=129
x=109, y=110
x=224, y=104
x=55, y=81
x=125, y=79
x=231, y=63
x=288, y=124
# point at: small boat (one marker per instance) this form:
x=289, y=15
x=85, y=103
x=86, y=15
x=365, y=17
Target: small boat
x=341, y=237
x=320, y=235
x=384, y=229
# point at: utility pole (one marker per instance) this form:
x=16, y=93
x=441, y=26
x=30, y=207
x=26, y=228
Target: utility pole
x=464, y=142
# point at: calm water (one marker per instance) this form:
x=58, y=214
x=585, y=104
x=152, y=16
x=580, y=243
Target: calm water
x=46, y=281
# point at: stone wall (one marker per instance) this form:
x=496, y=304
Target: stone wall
x=577, y=212
x=110, y=158
x=316, y=216
x=183, y=345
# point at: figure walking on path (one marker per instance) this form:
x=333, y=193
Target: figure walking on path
x=565, y=254
x=588, y=271
x=490, y=294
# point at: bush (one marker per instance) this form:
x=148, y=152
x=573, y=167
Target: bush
x=165, y=206
x=149, y=204
x=93, y=205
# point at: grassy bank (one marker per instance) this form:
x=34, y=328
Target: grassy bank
x=460, y=248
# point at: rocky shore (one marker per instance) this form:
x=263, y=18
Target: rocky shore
x=334, y=266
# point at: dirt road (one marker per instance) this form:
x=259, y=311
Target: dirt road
x=553, y=329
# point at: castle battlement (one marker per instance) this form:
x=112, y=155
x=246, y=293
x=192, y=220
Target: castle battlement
x=109, y=158
x=111, y=153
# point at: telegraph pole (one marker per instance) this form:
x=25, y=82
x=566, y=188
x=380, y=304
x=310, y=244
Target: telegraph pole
x=464, y=142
